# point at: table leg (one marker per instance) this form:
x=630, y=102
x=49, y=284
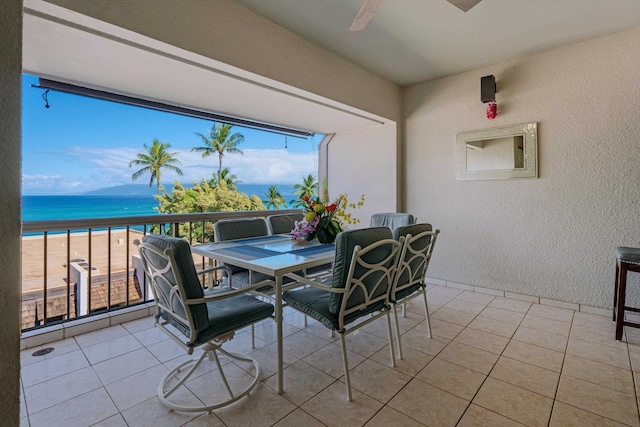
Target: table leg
x=210, y=275
x=278, y=295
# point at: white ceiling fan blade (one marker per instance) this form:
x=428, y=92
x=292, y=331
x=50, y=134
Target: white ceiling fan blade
x=367, y=10
x=464, y=5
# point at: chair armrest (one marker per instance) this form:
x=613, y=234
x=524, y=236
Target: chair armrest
x=210, y=269
x=224, y=268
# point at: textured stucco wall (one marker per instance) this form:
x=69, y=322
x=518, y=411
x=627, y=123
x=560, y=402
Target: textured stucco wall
x=364, y=162
x=10, y=87
x=554, y=236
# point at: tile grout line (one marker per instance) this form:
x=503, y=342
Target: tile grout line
x=489, y=373
x=453, y=339
x=564, y=358
x=633, y=373
x=510, y=339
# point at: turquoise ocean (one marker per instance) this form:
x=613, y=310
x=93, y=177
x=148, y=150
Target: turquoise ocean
x=65, y=207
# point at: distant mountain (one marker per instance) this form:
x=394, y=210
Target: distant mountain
x=144, y=190
x=124, y=190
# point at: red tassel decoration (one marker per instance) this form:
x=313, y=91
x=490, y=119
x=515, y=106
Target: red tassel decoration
x=492, y=110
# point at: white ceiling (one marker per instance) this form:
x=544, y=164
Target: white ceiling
x=407, y=41
x=413, y=41
x=63, y=45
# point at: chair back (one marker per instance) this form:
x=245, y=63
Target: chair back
x=365, y=265
x=169, y=267
x=414, y=261
x=392, y=220
x=241, y=228
x=282, y=223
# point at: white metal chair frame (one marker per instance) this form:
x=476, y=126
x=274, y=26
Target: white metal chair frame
x=356, y=284
x=415, y=262
x=210, y=348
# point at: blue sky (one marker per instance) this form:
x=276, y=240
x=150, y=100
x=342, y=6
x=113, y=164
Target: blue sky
x=80, y=144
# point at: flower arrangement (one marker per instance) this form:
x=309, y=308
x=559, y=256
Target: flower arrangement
x=319, y=221
x=323, y=220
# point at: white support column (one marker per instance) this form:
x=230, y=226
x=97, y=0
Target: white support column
x=78, y=275
x=136, y=263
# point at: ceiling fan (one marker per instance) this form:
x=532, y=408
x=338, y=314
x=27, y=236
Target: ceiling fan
x=370, y=7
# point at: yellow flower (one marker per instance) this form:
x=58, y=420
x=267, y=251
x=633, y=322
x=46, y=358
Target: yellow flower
x=319, y=208
x=310, y=216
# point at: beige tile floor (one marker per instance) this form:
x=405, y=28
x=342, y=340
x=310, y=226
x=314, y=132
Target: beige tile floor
x=492, y=362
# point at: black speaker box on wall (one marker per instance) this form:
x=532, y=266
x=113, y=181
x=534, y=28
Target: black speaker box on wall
x=488, y=88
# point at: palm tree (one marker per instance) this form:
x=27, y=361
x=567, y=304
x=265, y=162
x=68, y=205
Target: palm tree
x=231, y=180
x=308, y=187
x=154, y=159
x=219, y=140
x=274, y=199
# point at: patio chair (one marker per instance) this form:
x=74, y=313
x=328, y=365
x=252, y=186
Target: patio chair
x=193, y=318
x=363, y=273
x=282, y=223
x=412, y=269
x=391, y=220
x=232, y=229
x=242, y=228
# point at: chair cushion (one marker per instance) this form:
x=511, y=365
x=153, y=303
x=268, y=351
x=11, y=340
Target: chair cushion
x=628, y=255
x=284, y=223
x=240, y=280
x=315, y=303
x=225, y=316
x=391, y=220
x=403, y=293
x=413, y=278
x=242, y=228
x=413, y=229
x=193, y=289
x=346, y=242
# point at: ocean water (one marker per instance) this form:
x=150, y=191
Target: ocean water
x=48, y=208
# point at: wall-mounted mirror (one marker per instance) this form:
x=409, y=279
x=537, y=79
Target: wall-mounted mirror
x=498, y=153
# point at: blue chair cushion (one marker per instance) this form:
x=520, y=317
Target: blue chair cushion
x=184, y=261
x=314, y=302
x=403, y=293
x=225, y=316
x=391, y=220
x=413, y=229
x=240, y=280
x=243, y=228
x=346, y=242
x=232, y=229
x=282, y=224
x=418, y=271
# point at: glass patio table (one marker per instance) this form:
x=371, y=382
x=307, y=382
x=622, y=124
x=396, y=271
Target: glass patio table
x=276, y=256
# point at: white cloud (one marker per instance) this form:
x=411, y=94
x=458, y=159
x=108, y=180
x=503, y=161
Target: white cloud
x=110, y=166
x=51, y=184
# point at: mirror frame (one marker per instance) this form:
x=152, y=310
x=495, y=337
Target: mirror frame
x=529, y=131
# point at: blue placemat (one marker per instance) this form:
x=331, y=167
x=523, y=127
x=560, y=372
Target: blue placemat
x=312, y=250
x=253, y=251
x=261, y=239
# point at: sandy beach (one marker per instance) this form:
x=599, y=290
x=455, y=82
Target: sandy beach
x=33, y=255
